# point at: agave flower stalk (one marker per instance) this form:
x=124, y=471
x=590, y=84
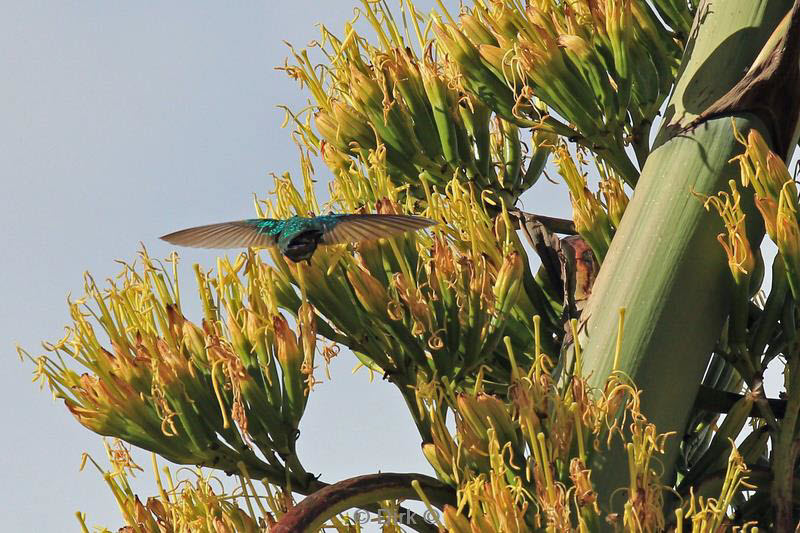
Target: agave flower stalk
x=660, y=242
x=785, y=448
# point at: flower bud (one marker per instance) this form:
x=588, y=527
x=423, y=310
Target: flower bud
x=615, y=197
x=290, y=357
x=591, y=220
x=441, y=465
x=194, y=338
x=472, y=415
x=494, y=410
x=508, y=285
x=308, y=334
x=369, y=291
x=768, y=175
x=238, y=340
x=477, y=32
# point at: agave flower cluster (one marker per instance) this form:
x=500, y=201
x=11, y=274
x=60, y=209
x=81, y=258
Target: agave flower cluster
x=603, y=67
x=186, y=502
x=423, y=306
x=520, y=460
x=597, y=215
x=776, y=199
x=207, y=393
x=413, y=104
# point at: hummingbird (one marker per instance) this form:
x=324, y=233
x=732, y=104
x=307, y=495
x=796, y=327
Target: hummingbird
x=297, y=237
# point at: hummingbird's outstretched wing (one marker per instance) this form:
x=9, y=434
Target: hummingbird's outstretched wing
x=257, y=232
x=355, y=228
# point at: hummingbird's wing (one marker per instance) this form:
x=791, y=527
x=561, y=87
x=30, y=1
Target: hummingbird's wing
x=255, y=232
x=355, y=228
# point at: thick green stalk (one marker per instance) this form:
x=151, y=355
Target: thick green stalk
x=664, y=265
x=667, y=270
x=785, y=451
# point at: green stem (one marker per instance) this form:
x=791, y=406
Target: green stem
x=740, y=312
x=768, y=320
x=763, y=404
x=664, y=265
x=407, y=391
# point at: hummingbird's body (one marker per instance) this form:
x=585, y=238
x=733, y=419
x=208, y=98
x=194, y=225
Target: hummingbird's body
x=298, y=237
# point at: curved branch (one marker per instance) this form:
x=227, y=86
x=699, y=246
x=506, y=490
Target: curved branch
x=310, y=484
x=316, y=509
